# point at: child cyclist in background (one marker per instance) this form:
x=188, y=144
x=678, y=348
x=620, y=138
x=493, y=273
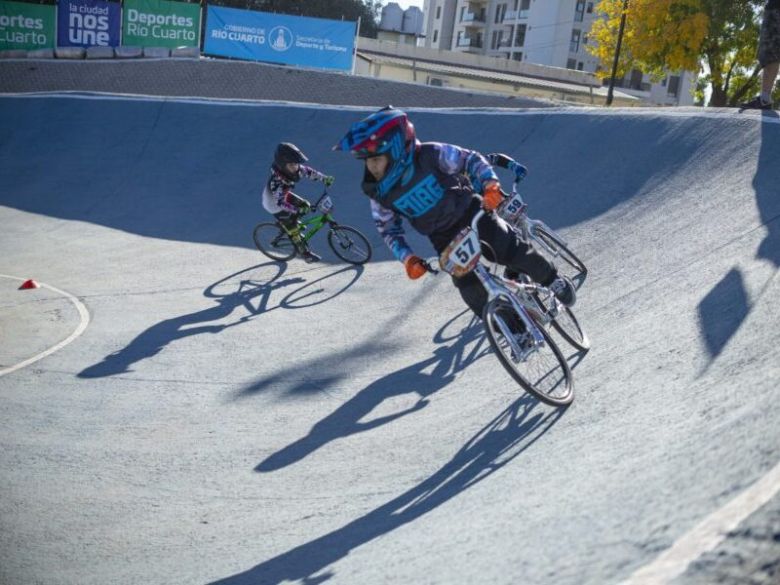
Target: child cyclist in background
x=279, y=199
x=437, y=188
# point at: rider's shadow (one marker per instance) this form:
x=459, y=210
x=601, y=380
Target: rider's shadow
x=253, y=295
x=423, y=379
x=498, y=443
x=725, y=307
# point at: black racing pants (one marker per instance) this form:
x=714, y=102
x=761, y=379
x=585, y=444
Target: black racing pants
x=289, y=219
x=504, y=246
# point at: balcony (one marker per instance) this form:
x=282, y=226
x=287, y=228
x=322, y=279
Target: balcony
x=472, y=20
x=470, y=43
x=512, y=15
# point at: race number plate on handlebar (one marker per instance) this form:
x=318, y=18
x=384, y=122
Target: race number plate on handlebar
x=326, y=204
x=462, y=255
x=512, y=208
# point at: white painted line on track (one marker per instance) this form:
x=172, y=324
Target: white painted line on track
x=84, y=321
x=708, y=534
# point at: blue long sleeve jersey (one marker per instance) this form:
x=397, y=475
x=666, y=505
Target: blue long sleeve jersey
x=451, y=160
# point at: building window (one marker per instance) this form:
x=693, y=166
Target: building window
x=435, y=81
x=520, y=35
x=525, y=6
x=579, y=11
x=636, y=80
x=462, y=13
x=674, y=85
x=517, y=56
x=459, y=39
x=438, y=12
x=500, y=12
x=574, y=46
x=589, y=9
x=580, y=66
x=435, y=36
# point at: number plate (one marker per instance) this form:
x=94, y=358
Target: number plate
x=326, y=204
x=462, y=255
x=512, y=208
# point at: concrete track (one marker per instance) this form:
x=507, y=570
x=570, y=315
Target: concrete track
x=225, y=419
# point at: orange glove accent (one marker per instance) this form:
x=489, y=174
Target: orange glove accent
x=415, y=267
x=491, y=195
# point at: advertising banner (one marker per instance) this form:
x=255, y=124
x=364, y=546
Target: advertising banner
x=160, y=23
x=280, y=38
x=26, y=27
x=88, y=23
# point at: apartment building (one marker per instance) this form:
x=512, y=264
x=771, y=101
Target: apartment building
x=544, y=32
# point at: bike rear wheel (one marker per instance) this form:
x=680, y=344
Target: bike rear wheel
x=545, y=373
x=349, y=244
x=273, y=241
x=573, y=267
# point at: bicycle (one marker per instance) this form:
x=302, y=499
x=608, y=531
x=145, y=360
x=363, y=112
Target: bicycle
x=273, y=240
x=537, y=233
x=515, y=318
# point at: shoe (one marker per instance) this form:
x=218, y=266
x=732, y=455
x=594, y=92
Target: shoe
x=510, y=274
x=756, y=103
x=564, y=290
x=309, y=256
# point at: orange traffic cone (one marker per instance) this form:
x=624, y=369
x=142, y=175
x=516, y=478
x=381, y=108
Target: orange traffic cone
x=27, y=284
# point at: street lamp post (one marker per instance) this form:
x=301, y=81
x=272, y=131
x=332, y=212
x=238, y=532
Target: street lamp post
x=611, y=91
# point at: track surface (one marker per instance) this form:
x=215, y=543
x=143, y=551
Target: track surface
x=225, y=419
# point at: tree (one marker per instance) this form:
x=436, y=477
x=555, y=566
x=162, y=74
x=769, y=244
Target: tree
x=718, y=37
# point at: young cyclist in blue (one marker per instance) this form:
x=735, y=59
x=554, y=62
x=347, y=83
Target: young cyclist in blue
x=279, y=199
x=437, y=188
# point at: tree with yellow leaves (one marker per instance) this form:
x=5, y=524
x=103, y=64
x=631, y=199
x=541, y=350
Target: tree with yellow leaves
x=718, y=37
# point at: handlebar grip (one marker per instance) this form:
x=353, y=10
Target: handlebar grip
x=501, y=160
x=429, y=268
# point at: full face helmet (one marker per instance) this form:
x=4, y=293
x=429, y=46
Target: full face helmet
x=388, y=132
x=287, y=152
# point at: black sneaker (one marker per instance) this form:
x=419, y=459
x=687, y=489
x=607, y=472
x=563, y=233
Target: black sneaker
x=756, y=103
x=309, y=256
x=564, y=290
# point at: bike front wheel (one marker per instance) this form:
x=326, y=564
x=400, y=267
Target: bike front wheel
x=567, y=325
x=540, y=369
x=273, y=241
x=574, y=267
x=349, y=244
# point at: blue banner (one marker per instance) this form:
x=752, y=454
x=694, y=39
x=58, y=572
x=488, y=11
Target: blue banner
x=87, y=23
x=279, y=38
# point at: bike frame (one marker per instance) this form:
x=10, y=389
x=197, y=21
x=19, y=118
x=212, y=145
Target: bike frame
x=520, y=296
x=313, y=224
x=528, y=227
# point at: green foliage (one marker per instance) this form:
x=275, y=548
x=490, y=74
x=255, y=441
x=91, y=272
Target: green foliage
x=729, y=51
x=718, y=37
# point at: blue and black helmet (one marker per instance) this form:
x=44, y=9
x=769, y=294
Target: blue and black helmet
x=389, y=132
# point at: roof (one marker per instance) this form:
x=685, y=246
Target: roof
x=488, y=75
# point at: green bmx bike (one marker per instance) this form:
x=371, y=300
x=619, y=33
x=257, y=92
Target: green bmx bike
x=346, y=242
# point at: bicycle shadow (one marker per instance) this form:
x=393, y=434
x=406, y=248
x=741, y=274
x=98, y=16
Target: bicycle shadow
x=242, y=290
x=423, y=378
x=500, y=442
x=726, y=306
